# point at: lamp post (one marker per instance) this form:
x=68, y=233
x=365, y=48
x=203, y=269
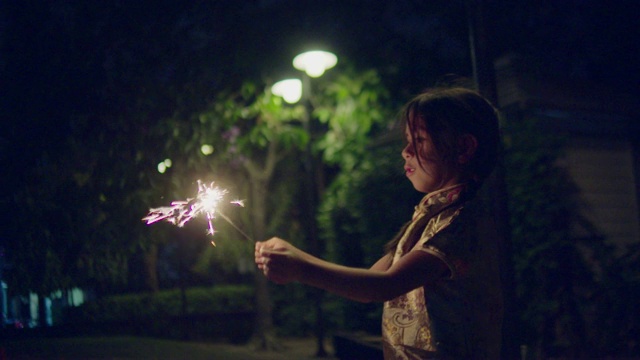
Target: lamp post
x=313, y=64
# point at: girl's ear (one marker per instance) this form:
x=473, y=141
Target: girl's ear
x=467, y=145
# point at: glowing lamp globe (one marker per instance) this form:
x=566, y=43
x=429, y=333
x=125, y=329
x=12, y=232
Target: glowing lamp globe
x=315, y=63
x=290, y=90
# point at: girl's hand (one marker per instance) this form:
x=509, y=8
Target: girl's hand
x=279, y=261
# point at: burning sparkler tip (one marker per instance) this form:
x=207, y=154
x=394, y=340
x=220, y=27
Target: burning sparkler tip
x=181, y=211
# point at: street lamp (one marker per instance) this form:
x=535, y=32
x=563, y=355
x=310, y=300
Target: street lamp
x=289, y=89
x=313, y=64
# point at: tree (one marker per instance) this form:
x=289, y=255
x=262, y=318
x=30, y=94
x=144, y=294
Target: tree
x=41, y=254
x=253, y=131
x=361, y=207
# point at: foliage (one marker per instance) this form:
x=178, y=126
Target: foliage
x=258, y=132
x=570, y=291
x=563, y=282
x=40, y=260
x=615, y=326
x=361, y=114
x=209, y=300
x=360, y=212
x=255, y=133
x=66, y=234
x=366, y=206
x=251, y=132
x=354, y=106
x=548, y=266
x=87, y=150
x=242, y=124
x=293, y=314
x=221, y=311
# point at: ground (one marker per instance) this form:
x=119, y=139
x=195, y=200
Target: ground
x=125, y=347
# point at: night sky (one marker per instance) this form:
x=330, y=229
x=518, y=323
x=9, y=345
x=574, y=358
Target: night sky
x=64, y=59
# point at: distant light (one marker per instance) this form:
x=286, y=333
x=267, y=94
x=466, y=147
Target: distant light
x=289, y=89
x=206, y=149
x=164, y=165
x=315, y=63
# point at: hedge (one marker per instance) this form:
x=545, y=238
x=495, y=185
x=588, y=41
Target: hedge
x=220, y=312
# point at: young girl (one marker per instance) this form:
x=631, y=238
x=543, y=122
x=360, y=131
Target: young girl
x=439, y=278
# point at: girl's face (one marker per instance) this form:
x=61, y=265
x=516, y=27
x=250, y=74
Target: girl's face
x=429, y=173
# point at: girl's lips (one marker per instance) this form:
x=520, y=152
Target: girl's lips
x=408, y=170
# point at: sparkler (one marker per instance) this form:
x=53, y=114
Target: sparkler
x=206, y=202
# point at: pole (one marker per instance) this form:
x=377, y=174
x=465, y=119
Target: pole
x=485, y=79
x=311, y=193
x=481, y=60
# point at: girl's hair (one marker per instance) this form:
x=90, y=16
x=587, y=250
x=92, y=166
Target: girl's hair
x=447, y=114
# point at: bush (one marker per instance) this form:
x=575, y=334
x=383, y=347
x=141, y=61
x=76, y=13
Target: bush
x=221, y=312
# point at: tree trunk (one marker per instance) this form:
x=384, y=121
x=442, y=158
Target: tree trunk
x=183, y=290
x=264, y=337
x=150, y=258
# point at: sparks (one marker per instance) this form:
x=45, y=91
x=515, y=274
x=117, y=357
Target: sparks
x=206, y=202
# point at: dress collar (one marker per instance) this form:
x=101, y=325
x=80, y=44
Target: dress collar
x=435, y=201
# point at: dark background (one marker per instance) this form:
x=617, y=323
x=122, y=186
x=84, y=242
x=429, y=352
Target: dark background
x=61, y=61
x=63, y=58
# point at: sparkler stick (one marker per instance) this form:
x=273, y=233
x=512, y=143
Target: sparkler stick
x=206, y=202
x=236, y=227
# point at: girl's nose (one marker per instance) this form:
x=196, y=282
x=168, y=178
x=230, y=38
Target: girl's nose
x=407, y=152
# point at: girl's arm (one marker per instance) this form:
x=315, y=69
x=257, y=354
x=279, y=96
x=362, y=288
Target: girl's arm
x=283, y=263
x=383, y=263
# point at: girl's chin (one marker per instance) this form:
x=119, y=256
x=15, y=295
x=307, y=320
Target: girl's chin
x=422, y=187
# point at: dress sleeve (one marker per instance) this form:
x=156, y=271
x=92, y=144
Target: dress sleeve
x=454, y=245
